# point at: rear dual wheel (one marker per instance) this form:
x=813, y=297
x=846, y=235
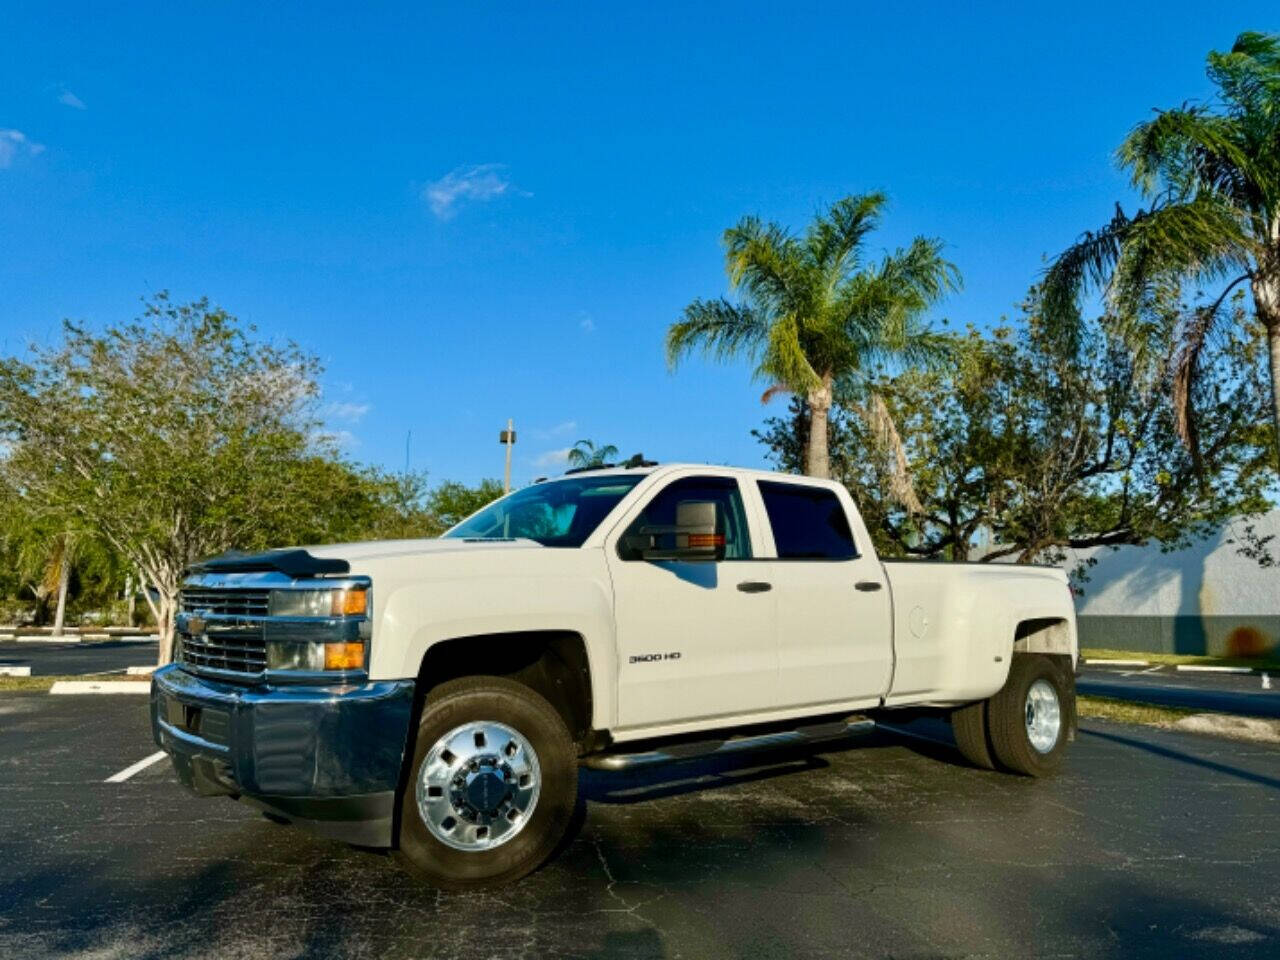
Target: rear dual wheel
x=1023, y=728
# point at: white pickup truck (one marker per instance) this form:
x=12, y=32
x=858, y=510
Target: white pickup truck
x=438, y=696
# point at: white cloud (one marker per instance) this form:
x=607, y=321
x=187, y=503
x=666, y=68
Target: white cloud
x=15, y=145
x=350, y=412
x=552, y=458
x=559, y=430
x=344, y=439
x=69, y=99
x=479, y=184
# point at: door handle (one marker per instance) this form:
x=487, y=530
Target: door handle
x=754, y=586
x=867, y=586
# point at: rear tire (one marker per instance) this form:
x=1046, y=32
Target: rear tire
x=969, y=727
x=1030, y=719
x=491, y=786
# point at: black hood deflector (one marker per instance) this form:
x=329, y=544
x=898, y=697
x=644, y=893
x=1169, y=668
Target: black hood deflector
x=294, y=563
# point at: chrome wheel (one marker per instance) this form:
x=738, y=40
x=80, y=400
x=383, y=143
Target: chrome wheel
x=478, y=785
x=1044, y=716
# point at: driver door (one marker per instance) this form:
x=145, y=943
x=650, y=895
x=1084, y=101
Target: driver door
x=696, y=640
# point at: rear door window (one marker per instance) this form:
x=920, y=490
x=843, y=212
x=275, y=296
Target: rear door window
x=809, y=523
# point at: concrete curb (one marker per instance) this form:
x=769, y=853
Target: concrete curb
x=1116, y=663
x=15, y=671
x=100, y=686
x=1205, y=668
x=140, y=671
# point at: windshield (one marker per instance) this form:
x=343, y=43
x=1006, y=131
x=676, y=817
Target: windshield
x=562, y=513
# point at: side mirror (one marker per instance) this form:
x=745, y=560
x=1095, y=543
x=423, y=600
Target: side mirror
x=698, y=535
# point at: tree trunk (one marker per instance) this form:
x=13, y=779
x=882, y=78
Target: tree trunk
x=1273, y=349
x=1266, y=299
x=164, y=608
x=165, y=625
x=818, y=461
x=64, y=582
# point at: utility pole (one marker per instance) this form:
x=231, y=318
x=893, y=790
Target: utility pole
x=508, y=438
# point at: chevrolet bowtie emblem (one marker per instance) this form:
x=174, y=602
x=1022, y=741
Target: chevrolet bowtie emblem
x=196, y=624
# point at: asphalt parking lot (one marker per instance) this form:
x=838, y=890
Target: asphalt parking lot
x=48, y=657
x=1247, y=694
x=1150, y=844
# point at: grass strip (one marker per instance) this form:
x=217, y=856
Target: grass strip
x=1127, y=711
x=42, y=684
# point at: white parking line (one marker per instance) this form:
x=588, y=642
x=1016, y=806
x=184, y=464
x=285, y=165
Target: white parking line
x=1203, y=668
x=1118, y=663
x=130, y=770
x=100, y=686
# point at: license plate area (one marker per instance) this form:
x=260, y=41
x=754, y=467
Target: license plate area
x=181, y=715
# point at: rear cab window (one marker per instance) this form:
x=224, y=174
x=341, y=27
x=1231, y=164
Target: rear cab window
x=808, y=522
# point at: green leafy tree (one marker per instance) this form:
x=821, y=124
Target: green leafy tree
x=174, y=437
x=1211, y=175
x=1017, y=450
x=452, y=502
x=585, y=453
x=813, y=311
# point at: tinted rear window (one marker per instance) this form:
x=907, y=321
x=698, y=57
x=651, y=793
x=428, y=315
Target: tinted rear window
x=808, y=522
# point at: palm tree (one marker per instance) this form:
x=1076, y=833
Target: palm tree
x=813, y=312
x=585, y=453
x=1211, y=176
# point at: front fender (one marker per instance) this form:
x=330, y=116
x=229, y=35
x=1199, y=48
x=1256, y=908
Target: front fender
x=416, y=614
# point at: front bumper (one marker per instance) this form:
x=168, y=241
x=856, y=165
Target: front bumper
x=326, y=757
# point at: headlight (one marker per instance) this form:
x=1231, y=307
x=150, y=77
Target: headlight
x=319, y=603
x=292, y=655
x=285, y=655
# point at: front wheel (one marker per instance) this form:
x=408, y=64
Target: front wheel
x=492, y=786
x=1030, y=719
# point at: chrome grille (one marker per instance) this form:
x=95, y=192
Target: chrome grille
x=236, y=603
x=232, y=634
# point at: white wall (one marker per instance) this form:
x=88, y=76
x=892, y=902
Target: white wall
x=1209, y=578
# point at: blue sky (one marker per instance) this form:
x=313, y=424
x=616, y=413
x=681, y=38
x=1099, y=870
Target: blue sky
x=473, y=212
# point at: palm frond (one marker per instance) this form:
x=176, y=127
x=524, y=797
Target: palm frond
x=1203, y=238
x=1188, y=151
x=1249, y=75
x=835, y=235
x=761, y=261
x=883, y=428
x=1084, y=265
x=784, y=359
x=1192, y=337
x=720, y=329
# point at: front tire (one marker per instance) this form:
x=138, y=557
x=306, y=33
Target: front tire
x=1029, y=721
x=491, y=787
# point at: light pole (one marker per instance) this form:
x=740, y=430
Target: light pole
x=508, y=438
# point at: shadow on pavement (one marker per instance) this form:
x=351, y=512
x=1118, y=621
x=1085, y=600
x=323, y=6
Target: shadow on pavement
x=1171, y=754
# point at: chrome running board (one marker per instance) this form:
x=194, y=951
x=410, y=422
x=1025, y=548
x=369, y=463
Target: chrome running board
x=816, y=733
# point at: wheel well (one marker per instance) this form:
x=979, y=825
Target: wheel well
x=1043, y=635
x=553, y=663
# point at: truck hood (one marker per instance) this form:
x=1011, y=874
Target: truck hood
x=355, y=553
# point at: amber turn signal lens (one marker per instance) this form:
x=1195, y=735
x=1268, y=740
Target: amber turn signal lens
x=343, y=656
x=350, y=603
